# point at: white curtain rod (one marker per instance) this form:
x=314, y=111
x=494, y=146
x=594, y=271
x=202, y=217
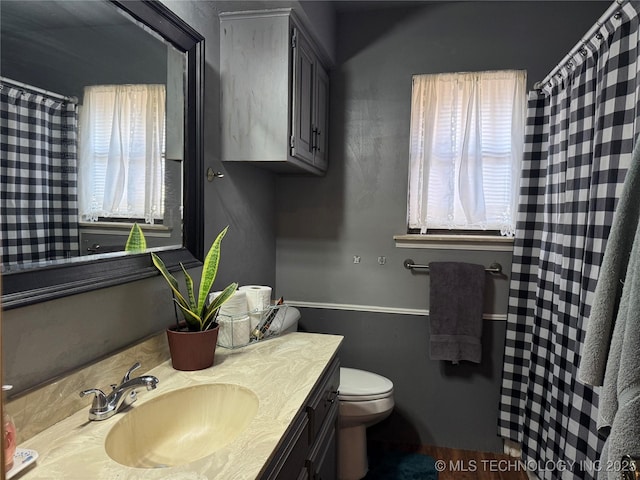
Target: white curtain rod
x=613, y=8
x=16, y=84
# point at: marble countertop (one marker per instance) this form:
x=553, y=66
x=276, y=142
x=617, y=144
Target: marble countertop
x=281, y=371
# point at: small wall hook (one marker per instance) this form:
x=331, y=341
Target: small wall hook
x=211, y=174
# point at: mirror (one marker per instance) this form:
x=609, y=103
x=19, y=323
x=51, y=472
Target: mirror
x=118, y=43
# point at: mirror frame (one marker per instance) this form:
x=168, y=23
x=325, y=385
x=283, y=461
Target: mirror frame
x=29, y=286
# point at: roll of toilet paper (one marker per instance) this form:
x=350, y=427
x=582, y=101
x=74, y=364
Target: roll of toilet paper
x=234, y=331
x=235, y=324
x=258, y=296
x=258, y=300
x=235, y=306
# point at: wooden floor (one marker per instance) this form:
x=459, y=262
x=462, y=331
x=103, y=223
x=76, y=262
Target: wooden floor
x=469, y=465
x=454, y=464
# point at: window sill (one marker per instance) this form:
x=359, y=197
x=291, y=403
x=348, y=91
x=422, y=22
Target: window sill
x=123, y=228
x=455, y=242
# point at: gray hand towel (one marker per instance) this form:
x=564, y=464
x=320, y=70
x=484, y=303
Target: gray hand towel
x=456, y=300
x=619, y=401
x=604, y=307
x=624, y=438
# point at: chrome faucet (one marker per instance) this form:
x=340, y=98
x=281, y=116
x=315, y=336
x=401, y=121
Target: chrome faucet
x=121, y=396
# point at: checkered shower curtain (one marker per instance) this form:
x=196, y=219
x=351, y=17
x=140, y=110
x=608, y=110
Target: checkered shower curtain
x=580, y=133
x=38, y=178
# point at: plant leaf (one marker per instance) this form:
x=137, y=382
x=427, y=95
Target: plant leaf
x=173, y=283
x=211, y=309
x=136, y=241
x=191, y=318
x=210, y=270
x=189, y=282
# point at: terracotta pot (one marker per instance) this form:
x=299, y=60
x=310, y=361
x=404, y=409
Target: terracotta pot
x=192, y=350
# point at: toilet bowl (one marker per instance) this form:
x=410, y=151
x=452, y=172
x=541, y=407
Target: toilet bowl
x=365, y=398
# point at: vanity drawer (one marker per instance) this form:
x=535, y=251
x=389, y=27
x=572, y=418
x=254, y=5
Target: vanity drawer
x=323, y=398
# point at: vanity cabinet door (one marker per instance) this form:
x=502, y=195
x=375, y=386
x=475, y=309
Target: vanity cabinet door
x=290, y=459
x=323, y=458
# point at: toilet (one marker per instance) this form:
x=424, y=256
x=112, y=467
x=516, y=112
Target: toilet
x=366, y=398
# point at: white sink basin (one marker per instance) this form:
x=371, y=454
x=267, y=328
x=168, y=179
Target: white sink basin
x=182, y=426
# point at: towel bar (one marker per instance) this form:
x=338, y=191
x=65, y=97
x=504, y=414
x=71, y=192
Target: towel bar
x=493, y=268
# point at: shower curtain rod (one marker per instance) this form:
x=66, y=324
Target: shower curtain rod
x=16, y=84
x=586, y=37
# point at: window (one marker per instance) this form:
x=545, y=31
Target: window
x=467, y=136
x=121, y=152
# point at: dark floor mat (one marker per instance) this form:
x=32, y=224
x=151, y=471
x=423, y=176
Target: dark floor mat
x=400, y=466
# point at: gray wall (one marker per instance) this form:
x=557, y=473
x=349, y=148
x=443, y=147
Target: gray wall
x=361, y=203
x=46, y=340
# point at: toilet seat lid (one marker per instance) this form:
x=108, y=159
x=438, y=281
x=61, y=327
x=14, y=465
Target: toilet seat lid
x=360, y=385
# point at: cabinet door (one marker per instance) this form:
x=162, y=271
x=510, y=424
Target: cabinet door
x=321, y=111
x=302, y=105
x=290, y=458
x=323, y=458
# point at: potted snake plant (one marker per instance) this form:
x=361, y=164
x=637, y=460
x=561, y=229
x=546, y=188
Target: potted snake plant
x=192, y=342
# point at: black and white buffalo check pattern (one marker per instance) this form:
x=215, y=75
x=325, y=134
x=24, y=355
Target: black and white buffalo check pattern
x=580, y=133
x=38, y=178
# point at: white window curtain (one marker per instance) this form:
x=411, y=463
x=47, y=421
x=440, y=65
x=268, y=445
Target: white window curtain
x=467, y=136
x=120, y=152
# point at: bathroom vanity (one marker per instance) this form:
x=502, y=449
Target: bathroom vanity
x=292, y=434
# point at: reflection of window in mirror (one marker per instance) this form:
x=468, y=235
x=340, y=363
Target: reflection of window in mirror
x=121, y=150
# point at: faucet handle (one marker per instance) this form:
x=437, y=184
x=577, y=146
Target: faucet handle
x=127, y=375
x=99, y=401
